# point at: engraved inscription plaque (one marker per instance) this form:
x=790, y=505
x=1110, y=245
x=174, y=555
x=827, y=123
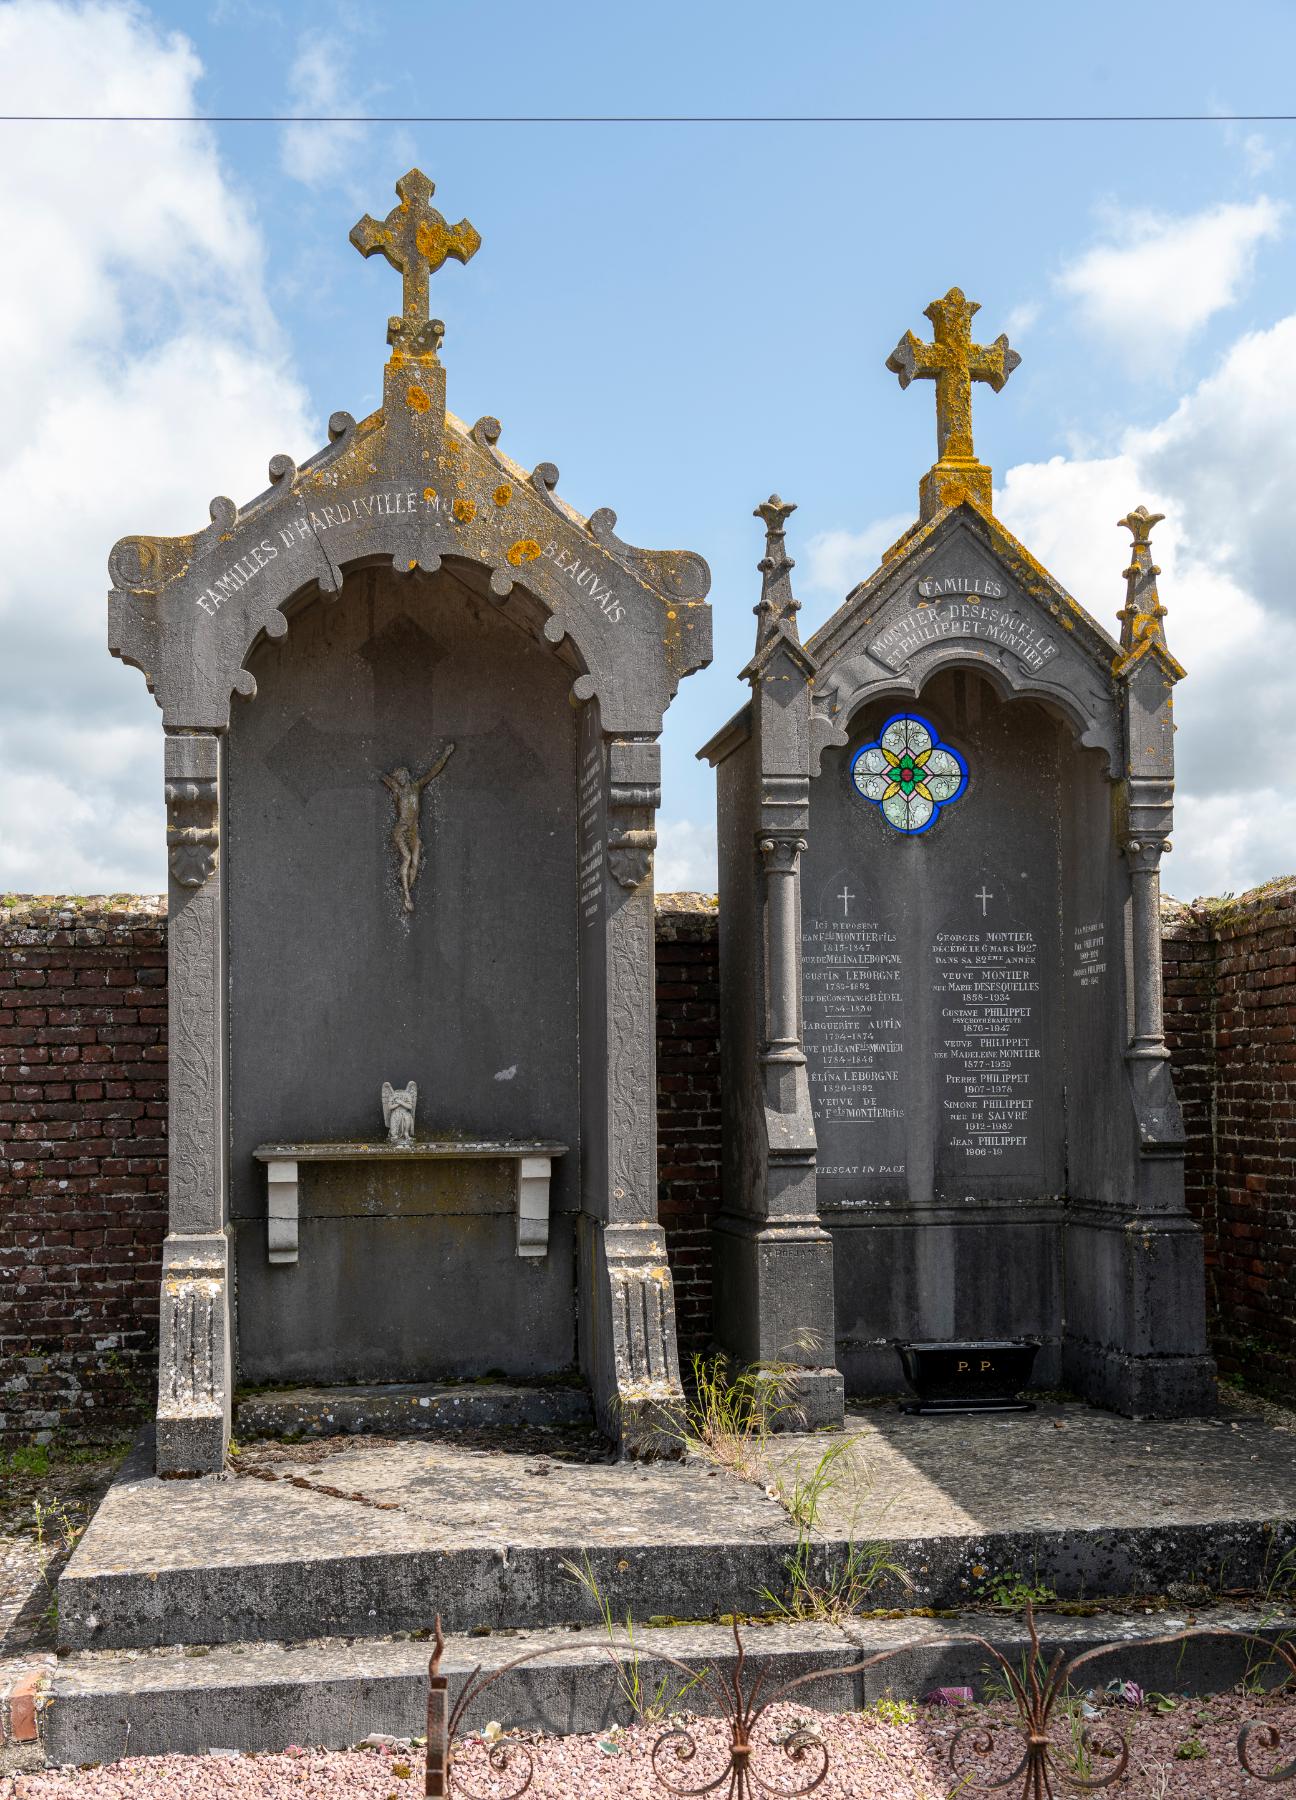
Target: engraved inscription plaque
x=932, y=969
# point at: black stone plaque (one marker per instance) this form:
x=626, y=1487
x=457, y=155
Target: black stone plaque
x=970, y=1377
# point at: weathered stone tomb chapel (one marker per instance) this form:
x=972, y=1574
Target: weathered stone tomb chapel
x=949, y=1113
x=412, y=1105
x=412, y=1097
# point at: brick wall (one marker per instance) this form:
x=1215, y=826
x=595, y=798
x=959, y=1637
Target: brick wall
x=1188, y=966
x=688, y=1102
x=82, y=1159
x=1254, y=1130
x=82, y=1136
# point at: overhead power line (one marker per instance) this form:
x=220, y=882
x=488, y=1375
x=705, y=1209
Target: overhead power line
x=647, y=118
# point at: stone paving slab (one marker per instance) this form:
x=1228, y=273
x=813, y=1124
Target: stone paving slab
x=1061, y=1468
x=259, y=1696
x=1072, y=1500
x=1067, y=1498
x=478, y=1535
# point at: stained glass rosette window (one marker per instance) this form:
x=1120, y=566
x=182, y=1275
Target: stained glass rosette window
x=909, y=774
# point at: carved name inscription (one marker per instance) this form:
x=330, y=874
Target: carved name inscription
x=938, y=587
x=983, y=620
x=855, y=1041
x=988, y=1049
x=310, y=524
x=582, y=576
x=1089, y=946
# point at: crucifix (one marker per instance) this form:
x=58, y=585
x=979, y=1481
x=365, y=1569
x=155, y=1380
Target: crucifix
x=406, y=791
x=845, y=897
x=953, y=362
x=984, y=897
x=416, y=240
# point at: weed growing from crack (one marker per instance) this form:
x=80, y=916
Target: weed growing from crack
x=648, y=1705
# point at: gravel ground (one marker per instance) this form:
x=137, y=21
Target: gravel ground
x=875, y=1755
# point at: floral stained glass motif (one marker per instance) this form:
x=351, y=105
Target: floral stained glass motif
x=908, y=774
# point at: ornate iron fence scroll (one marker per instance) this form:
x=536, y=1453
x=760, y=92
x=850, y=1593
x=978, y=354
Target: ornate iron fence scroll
x=1053, y=1756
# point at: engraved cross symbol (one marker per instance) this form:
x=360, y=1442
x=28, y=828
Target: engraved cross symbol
x=953, y=362
x=984, y=897
x=416, y=240
x=845, y=897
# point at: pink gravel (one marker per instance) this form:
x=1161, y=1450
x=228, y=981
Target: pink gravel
x=871, y=1758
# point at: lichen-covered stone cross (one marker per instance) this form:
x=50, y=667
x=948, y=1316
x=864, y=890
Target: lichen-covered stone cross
x=416, y=240
x=953, y=362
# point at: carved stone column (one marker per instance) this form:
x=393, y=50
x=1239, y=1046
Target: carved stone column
x=194, y=1373
x=1147, y=1038
x=773, y=1271
x=782, y=859
x=628, y=1340
x=783, y=1259
x=1135, y=1278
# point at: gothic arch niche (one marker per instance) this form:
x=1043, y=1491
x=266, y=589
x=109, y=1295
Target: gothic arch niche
x=948, y=1015
x=336, y=986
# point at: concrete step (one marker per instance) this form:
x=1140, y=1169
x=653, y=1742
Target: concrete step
x=406, y=1409
x=364, y=1538
x=257, y=1696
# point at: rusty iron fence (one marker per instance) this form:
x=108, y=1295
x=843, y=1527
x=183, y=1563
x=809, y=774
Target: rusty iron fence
x=1044, y=1755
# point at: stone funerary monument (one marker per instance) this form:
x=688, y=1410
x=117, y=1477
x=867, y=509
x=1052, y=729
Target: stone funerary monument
x=412, y=1116
x=948, y=1106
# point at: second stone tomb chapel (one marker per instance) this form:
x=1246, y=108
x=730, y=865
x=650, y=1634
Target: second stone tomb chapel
x=949, y=1114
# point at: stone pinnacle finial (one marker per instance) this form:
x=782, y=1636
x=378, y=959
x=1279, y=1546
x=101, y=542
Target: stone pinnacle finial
x=416, y=240
x=953, y=362
x=777, y=603
x=1142, y=612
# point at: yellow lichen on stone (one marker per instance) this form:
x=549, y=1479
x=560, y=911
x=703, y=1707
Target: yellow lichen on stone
x=464, y=510
x=503, y=494
x=417, y=399
x=429, y=494
x=525, y=550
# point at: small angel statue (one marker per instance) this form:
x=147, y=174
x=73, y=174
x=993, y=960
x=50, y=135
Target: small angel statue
x=398, y=1112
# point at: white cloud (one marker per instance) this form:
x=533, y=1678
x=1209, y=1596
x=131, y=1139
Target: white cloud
x=1221, y=466
x=837, y=561
x=1257, y=154
x=686, y=857
x=314, y=153
x=1160, y=279
x=1021, y=319
x=144, y=364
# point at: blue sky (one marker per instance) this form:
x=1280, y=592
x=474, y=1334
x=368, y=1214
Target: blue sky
x=681, y=317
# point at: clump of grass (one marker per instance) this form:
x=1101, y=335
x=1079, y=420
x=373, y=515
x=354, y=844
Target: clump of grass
x=648, y=1705
x=28, y=1459
x=806, y=1493
x=731, y=1410
x=825, y=1588
x=1012, y=1592
x=894, y=1712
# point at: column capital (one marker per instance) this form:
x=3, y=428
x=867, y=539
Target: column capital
x=1144, y=853
x=782, y=852
x=192, y=789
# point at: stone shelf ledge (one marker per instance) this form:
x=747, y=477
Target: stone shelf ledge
x=534, y=1160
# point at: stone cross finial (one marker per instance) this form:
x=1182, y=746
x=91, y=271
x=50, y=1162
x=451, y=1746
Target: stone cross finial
x=416, y=240
x=953, y=362
x=1142, y=612
x=777, y=602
